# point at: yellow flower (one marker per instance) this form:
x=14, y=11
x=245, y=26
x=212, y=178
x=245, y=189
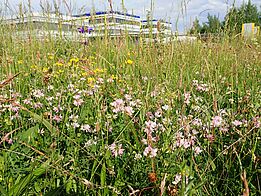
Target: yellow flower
x=114, y=77
x=84, y=74
x=59, y=64
x=34, y=67
x=45, y=69
x=130, y=62
x=20, y=62
x=90, y=80
x=50, y=57
x=74, y=60
x=99, y=70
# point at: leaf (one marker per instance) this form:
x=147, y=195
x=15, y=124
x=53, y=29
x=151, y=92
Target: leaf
x=212, y=165
x=20, y=187
x=3, y=191
x=103, y=175
x=56, y=192
x=29, y=135
x=41, y=120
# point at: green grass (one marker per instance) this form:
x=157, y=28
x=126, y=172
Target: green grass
x=77, y=162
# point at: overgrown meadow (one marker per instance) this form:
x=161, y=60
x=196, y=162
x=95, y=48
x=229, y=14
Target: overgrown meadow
x=117, y=117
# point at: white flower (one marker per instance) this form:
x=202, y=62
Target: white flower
x=86, y=128
x=165, y=107
x=177, y=179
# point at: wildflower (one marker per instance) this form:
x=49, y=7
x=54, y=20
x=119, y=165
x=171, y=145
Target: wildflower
x=150, y=125
x=224, y=129
x=38, y=105
x=197, y=150
x=158, y=113
x=73, y=118
x=116, y=150
x=210, y=137
x=149, y=151
x=59, y=64
x=127, y=97
x=197, y=122
x=50, y=57
x=118, y=105
x=57, y=118
x=165, y=107
x=129, y=110
x=86, y=128
x=75, y=125
x=177, y=179
x=186, y=143
x=187, y=98
x=38, y=93
x=50, y=87
x=256, y=121
x=100, y=81
x=78, y=102
x=90, y=143
x=137, y=156
x=10, y=141
x=129, y=62
x=73, y=60
x=216, y=121
x=237, y=123
x=90, y=80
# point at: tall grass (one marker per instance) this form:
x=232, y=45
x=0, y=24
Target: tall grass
x=116, y=117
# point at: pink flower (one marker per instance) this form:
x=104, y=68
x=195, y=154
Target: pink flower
x=129, y=110
x=237, y=123
x=38, y=105
x=57, y=118
x=187, y=98
x=151, y=125
x=197, y=150
x=78, y=102
x=149, y=151
x=27, y=101
x=197, y=122
x=210, y=137
x=118, y=105
x=116, y=150
x=256, y=121
x=216, y=121
x=37, y=93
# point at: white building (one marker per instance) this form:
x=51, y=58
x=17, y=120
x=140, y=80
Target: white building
x=156, y=28
x=110, y=23
x=42, y=25
x=99, y=24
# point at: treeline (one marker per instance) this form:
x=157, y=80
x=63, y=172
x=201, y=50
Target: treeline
x=232, y=23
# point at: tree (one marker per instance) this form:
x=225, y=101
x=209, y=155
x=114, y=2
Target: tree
x=213, y=25
x=196, y=27
x=246, y=13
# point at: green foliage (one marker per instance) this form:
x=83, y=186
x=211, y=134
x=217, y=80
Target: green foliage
x=246, y=13
x=117, y=117
x=232, y=24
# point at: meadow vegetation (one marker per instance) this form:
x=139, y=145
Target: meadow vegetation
x=113, y=116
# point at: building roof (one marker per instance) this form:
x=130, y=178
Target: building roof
x=155, y=20
x=108, y=12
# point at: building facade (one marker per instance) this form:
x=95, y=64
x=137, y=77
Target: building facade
x=98, y=24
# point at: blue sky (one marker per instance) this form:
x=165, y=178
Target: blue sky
x=180, y=12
